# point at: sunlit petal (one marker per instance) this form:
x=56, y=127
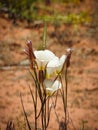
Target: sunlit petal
x=43, y=57
x=52, y=66
x=55, y=66
x=52, y=86
x=62, y=61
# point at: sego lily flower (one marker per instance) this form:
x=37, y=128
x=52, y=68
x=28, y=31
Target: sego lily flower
x=54, y=67
x=51, y=86
x=43, y=57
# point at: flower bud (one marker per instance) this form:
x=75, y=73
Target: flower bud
x=30, y=53
x=30, y=50
x=69, y=52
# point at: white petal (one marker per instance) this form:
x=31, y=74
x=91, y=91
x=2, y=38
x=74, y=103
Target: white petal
x=52, y=86
x=48, y=83
x=52, y=67
x=54, y=62
x=62, y=60
x=43, y=57
x=55, y=66
x=56, y=85
x=49, y=55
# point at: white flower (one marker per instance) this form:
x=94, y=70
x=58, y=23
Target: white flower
x=55, y=66
x=43, y=57
x=51, y=86
x=48, y=60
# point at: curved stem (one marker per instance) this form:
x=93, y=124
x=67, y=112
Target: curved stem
x=25, y=112
x=66, y=94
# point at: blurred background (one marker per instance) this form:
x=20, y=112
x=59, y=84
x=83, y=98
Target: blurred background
x=70, y=23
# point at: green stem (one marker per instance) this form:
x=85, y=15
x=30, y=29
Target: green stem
x=44, y=35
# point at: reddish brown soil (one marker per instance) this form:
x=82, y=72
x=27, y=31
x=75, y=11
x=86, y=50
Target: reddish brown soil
x=14, y=78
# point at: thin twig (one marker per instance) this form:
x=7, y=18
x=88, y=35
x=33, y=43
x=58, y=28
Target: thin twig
x=32, y=95
x=25, y=112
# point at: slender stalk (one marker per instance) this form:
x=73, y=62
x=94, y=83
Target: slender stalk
x=42, y=104
x=42, y=119
x=36, y=109
x=63, y=93
x=37, y=85
x=25, y=113
x=35, y=97
x=32, y=96
x=35, y=105
x=45, y=114
x=55, y=111
x=48, y=111
x=56, y=98
x=66, y=85
x=66, y=94
x=44, y=35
